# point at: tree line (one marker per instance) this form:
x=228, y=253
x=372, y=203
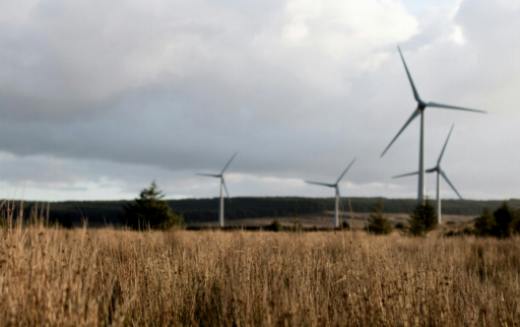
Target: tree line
x=148, y=208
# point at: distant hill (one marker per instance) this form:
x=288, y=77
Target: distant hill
x=99, y=213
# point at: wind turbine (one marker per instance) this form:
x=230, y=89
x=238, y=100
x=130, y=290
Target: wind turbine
x=419, y=111
x=335, y=186
x=439, y=172
x=223, y=188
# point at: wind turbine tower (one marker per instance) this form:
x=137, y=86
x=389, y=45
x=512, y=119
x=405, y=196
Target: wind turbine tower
x=335, y=186
x=223, y=188
x=440, y=173
x=419, y=111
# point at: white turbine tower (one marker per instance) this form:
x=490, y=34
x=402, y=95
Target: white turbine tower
x=419, y=111
x=335, y=186
x=439, y=172
x=223, y=188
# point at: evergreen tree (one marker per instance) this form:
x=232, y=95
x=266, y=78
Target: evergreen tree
x=503, y=221
x=516, y=222
x=485, y=224
x=422, y=220
x=151, y=211
x=377, y=223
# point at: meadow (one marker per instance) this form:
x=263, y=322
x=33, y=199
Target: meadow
x=91, y=277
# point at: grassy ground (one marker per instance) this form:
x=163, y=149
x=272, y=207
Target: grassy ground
x=326, y=220
x=99, y=277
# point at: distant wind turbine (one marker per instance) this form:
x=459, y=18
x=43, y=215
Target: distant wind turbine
x=223, y=188
x=419, y=111
x=335, y=186
x=440, y=172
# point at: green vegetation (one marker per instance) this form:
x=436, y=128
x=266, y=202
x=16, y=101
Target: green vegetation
x=377, y=223
x=150, y=211
x=422, y=220
x=399, y=226
x=504, y=222
x=103, y=213
x=275, y=226
x=485, y=224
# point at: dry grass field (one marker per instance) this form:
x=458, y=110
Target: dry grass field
x=109, y=277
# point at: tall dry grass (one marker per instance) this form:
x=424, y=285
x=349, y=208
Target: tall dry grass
x=108, y=277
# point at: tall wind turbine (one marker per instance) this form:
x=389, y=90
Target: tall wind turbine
x=335, y=186
x=439, y=172
x=223, y=188
x=419, y=111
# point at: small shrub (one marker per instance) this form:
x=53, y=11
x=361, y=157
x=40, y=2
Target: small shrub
x=516, y=222
x=468, y=231
x=377, y=223
x=485, y=224
x=345, y=225
x=399, y=226
x=503, y=221
x=274, y=226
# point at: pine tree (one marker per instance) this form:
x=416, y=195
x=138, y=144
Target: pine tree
x=377, y=223
x=485, y=224
x=503, y=221
x=151, y=211
x=422, y=220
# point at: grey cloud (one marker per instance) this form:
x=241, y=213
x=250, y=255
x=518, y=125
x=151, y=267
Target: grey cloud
x=178, y=86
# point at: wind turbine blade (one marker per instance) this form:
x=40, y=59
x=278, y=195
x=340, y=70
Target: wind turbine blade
x=406, y=175
x=447, y=106
x=346, y=170
x=445, y=144
x=225, y=187
x=443, y=174
x=208, y=175
x=412, y=117
x=320, y=183
x=228, y=163
x=412, y=84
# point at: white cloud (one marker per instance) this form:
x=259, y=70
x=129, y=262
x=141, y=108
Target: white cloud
x=458, y=35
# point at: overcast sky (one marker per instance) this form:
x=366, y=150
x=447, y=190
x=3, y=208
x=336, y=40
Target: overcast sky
x=98, y=98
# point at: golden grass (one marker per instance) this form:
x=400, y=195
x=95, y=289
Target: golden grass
x=101, y=277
